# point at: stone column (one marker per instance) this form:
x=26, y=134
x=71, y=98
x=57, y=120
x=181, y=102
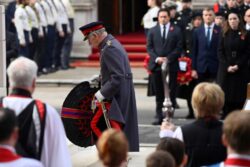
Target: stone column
x=2, y=53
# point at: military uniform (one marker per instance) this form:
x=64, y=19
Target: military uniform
x=117, y=85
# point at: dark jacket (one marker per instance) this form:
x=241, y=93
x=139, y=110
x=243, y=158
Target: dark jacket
x=171, y=48
x=117, y=85
x=205, y=57
x=203, y=142
x=234, y=49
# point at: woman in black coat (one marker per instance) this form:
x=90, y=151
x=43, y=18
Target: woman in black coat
x=233, y=52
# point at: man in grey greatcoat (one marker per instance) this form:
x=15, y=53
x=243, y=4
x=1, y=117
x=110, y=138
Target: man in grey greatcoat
x=116, y=80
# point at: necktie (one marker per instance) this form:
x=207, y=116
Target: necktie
x=164, y=33
x=208, y=36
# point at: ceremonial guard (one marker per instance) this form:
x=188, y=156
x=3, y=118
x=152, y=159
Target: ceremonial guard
x=23, y=28
x=116, y=81
x=184, y=16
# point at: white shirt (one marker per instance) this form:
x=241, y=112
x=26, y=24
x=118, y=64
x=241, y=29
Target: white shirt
x=166, y=31
x=21, y=162
x=148, y=17
x=211, y=30
x=69, y=8
x=53, y=9
x=62, y=16
x=55, y=151
x=32, y=17
x=42, y=18
x=48, y=11
x=22, y=23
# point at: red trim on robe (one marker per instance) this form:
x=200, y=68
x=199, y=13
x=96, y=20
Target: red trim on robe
x=237, y=162
x=7, y=156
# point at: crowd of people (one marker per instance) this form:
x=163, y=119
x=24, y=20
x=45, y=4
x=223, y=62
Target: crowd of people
x=41, y=30
x=217, y=40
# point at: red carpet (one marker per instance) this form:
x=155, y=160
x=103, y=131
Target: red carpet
x=96, y=63
x=134, y=44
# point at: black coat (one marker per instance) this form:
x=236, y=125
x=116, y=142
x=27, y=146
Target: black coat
x=117, y=85
x=234, y=49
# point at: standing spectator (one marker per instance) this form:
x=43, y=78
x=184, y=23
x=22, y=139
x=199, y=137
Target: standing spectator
x=247, y=20
x=10, y=15
x=202, y=138
x=116, y=81
x=233, y=53
x=39, y=121
x=23, y=28
x=185, y=91
x=164, y=44
x=113, y=148
x=8, y=139
x=219, y=6
x=67, y=47
x=205, y=44
x=148, y=18
x=244, y=7
x=220, y=19
x=34, y=23
x=41, y=48
x=63, y=30
x=231, y=6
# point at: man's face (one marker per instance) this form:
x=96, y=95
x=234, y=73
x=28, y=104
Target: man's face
x=208, y=16
x=163, y=17
x=93, y=40
x=231, y=3
x=247, y=17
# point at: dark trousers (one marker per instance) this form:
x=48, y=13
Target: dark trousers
x=231, y=106
x=59, y=45
x=207, y=76
x=50, y=45
x=159, y=91
x=67, y=47
x=24, y=50
x=34, y=45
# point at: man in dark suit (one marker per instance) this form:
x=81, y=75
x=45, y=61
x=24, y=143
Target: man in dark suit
x=205, y=44
x=116, y=81
x=164, y=44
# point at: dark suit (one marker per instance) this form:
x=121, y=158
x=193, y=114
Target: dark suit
x=171, y=49
x=117, y=85
x=204, y=57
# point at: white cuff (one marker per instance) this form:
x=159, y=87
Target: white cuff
x=99, y=96
x=166, y=133
x=156, y=60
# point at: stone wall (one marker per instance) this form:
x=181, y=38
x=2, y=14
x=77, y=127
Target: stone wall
x=2, y=53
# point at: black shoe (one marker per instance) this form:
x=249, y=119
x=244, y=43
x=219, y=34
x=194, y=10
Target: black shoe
x=190, y=116
x=156, y=123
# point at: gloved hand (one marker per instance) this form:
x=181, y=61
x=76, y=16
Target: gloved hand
x=99, y=97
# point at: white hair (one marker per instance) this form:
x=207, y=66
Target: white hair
x=21, y=72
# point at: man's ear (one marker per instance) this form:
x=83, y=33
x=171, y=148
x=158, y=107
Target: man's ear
x=224, y=140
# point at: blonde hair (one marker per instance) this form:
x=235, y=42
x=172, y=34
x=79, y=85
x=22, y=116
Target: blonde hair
x=112, y=147
x=207, y=99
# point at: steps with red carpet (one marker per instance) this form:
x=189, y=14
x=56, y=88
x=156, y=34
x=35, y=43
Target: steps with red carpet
x=134, y=44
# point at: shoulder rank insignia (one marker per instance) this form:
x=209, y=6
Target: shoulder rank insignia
x=109, y=43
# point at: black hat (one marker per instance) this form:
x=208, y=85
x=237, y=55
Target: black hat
x=220, y=13
x=196, y=13
x=186, y=1
x=91, y=27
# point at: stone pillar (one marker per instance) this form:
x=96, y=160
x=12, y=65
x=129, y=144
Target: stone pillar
x=2, y=53
x=85, y=12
